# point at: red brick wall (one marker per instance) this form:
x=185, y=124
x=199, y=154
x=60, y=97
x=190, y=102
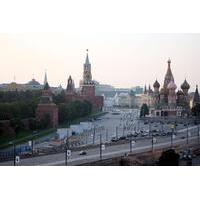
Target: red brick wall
x=50, y=109
x=88, y=90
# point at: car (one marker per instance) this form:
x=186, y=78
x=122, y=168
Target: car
x=155, y=134
x=169, y=133
x=82, y=153
x=163, y=134
x=144, y=134
x=114, y=139
x=186, y=155
x=122, y=138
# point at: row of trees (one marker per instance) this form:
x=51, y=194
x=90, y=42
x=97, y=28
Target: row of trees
x=19, y=110
x=19, y=96
x=18, y=104
x=73, y=111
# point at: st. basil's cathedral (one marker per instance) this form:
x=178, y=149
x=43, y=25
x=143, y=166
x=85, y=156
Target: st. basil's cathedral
x=166, y=101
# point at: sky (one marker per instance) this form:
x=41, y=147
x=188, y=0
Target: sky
x=129, y=41
x=122, y=60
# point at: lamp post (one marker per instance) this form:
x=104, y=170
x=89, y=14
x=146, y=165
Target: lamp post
x=106, y=135
x=116, y=132
x=66, y=151
x=149, y=128
x=123, y=129
x=32, y=141
x=14, y=152
x=100, y=147
x=132, y=143
x=161, y=126
x=187, y=134
x=94, y=133
x=172, y=134
x=152, y=142
x=198, y=135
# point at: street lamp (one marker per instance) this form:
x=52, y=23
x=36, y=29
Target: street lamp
x=132, y=143
x=66, y=150
x=14, y=152
x=123, y=129
x=31, y=142
x=94, y=133
x=100, y=147
x=116, y=132
x=153, y=141
x=149, y=127
x=106, y=135
x=198, y=135
x=172, y=134
x=161, y=126
x=187, y=134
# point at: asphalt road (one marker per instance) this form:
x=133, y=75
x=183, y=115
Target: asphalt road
x=110, y=151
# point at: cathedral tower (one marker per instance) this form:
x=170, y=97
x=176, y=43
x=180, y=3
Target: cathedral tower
x=87, y=85
x=87, y=74
x=169, y=76
x=196, y=99
x=172, y=94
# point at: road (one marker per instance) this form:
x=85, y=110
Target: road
x=110, y=151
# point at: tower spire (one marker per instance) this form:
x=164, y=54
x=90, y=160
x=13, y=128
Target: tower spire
x=45, y=77
x=87, y=62
x=87, y=74
x=169, y=62
x=169, y=76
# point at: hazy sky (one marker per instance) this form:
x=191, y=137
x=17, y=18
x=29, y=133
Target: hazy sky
x=122, y=60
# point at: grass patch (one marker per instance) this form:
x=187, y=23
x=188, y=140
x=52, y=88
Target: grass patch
x=24, y=136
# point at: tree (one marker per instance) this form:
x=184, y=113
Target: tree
x=73, y=111
x=17, y=125
x=59, y=98
x=63, y=113
x=169, y=158
x=144, y=110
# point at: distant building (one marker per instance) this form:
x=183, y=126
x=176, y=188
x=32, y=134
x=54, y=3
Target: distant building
x=47, y=107
x=137, y=90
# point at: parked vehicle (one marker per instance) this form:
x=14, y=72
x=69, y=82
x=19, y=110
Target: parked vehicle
x=122, y=138
x=82, y=153
x=186, y=155
x=114, y=139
